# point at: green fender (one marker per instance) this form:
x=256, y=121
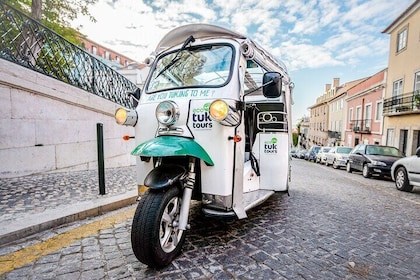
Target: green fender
x=166, y=146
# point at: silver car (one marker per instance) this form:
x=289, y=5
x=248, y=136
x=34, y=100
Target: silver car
x=406, y=172
x=337, y=156
x=320, y=156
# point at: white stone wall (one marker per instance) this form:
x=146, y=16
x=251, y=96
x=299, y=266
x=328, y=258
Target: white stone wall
x=48, y=126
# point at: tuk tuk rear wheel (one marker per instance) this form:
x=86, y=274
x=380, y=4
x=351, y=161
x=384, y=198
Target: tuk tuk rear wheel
x=155, y=237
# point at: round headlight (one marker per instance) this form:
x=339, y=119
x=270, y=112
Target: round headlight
x=167, y=112
x=219, y=110
x=121, y=116
x=126, y=117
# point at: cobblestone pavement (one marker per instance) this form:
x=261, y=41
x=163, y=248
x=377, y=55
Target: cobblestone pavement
x=23, y=196
x=334, y=225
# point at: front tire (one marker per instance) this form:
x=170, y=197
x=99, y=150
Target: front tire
x=401, y=180
x=155, y=237
x=334, y=164
x=366, y=172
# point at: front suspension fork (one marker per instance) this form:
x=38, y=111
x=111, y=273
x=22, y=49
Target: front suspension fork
x=186, y=196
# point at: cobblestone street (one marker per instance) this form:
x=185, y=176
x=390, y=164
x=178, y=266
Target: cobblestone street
x=334, y=225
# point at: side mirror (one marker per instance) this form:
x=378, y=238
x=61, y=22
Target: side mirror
x=135, y=96
x=272, y=84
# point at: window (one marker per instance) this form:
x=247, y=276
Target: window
x=94, y=50
x=417, y=81
x=402, y=39
x=350, y=114
x=397, y=88
x=204, y=65
x=368, y=114
x=107, y=55
x=358, y=116
x=378, y=113
x=390, y=137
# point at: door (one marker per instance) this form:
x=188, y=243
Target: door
x=359, y=158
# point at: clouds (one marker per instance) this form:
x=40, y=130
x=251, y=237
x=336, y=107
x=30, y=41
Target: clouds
x=305, y=33
x=316, y=39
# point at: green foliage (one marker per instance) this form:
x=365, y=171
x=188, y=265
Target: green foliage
x=58, y=14
x=295, y=139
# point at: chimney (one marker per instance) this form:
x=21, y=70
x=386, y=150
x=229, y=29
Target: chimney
x=336, y=82
x=327, y=87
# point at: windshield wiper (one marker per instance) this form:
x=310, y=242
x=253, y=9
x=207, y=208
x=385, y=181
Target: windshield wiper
x=176, y=58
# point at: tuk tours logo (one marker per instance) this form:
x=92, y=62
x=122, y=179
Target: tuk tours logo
x=270, y=147
x=201, y=117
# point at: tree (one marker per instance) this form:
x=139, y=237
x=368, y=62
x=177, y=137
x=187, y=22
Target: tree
x=56, y=14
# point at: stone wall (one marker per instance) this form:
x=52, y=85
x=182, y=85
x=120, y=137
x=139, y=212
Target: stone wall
x=48, y=126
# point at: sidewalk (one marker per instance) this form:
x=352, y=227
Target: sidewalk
x=34, y=203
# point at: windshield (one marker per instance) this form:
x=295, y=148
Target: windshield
x=207, y=65
x=344, y=150
x=383, y=151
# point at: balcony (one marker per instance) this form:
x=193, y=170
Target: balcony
x=334, y=134
x=402, y=104
x=361, y=126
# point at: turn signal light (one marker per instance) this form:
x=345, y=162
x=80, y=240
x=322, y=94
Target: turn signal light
x=237, y=138
x=127, y=137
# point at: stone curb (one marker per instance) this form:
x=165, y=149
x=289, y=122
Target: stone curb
x=35, y=223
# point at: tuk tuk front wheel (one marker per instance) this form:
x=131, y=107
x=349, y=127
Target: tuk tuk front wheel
x=155, y=237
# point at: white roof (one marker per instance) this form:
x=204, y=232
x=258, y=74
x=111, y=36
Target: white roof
x=198, y=31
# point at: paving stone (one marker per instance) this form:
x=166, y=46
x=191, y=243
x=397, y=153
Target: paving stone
x=326, y=223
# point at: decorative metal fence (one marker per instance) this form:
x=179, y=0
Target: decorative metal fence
x=29, y=43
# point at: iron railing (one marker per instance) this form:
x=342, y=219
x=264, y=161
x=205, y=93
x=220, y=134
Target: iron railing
x=334, y=134
x=29, y=43
x=361, y=126
x=404, y=103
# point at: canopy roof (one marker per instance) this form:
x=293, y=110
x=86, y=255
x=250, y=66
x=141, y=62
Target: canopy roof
x=198, y=31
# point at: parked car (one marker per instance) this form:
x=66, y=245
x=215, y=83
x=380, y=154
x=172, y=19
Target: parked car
x=373, y=159
x=293, y=152
x=337, y=156
x=406, y=172
x=312, y=153
x=301, y=154
x=320, y=156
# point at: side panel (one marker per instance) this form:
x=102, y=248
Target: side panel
x=145, y=129
x=274, y=161
x=214, y=138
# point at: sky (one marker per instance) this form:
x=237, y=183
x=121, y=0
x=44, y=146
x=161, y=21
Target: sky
x=317, y=40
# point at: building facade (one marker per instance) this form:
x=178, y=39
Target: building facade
x=402, y=96
x=338, y=115
x=364, y=110
x=135, y=71
x=319, y=116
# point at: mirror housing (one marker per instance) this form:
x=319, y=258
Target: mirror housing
x=272, y=84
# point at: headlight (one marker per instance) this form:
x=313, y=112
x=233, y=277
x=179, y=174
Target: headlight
x=126, y=117
x=227, y=115
x=378, y=163
x=167, y=113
